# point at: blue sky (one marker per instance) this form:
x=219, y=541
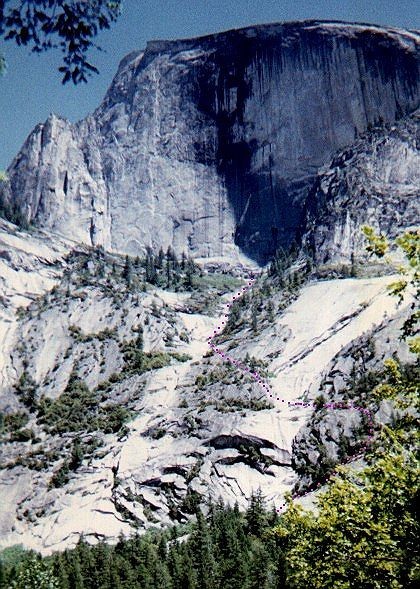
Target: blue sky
x=31, y=88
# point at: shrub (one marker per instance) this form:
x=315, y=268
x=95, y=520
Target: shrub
x=11, y=212
x=61, y=476
x=112, y=418
x=26, y=389
x=74, y=410
x=10, y=422
x=180, y=357
x=77, y=409
x=191, y=502
x=22, y=435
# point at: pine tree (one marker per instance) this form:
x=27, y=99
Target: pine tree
x=189, y=274
x=260, y=567
x=204, y=561
x=168, y=267
x=231, y=548
x=148, y=267
x=160, y=575
x=162, y=549
x=26, y=389
x=279, y=263
x=2, y=575
x=234, y=318
x=160, y=259
x=128, y=271
x=256, y=516
x=101, y=574
x=60, y=571
x=175, y=263
x=270, y=311
x=87, y=563
x=254, y=318
x=115, y=577
x=77, y=455
x=295, y=280
x=139, y=555
x=175, y=566
x=280, y=575
x=100, y=269
x=180, y=566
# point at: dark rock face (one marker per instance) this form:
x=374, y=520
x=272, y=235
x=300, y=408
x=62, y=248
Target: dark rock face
x=299, y=93
x=212, y=143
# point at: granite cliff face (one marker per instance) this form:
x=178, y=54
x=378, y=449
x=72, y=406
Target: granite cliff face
x=211, y=144
x=376, y=181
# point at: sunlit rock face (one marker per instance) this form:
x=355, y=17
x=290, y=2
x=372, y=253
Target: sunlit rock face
x=211, y=144
x=375, y=182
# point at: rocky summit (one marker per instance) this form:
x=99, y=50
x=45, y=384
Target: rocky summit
x=211, y=145
x=125, y=240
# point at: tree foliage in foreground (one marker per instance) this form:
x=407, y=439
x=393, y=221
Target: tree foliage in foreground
x=365, y=533
x=36, y=574
x=70, y=25
x=408, y=244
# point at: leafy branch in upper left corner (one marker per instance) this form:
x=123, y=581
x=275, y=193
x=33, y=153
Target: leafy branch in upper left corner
x=66, y=24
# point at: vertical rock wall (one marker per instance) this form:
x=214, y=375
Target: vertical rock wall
x=211, y=144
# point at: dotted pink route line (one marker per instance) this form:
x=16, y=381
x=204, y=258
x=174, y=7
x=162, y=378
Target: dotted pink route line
x=270, y=393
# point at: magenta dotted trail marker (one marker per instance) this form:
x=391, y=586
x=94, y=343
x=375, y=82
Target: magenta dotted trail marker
x=269, y=392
